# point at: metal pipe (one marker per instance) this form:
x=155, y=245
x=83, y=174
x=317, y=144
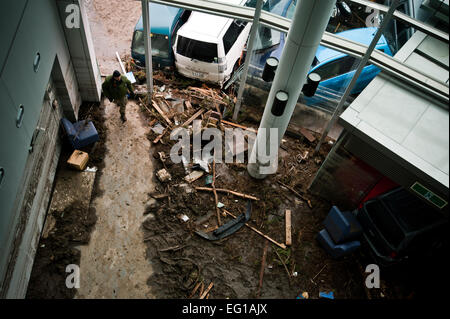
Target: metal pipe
x=281, y=24
x=362, y=64
x=386, y=63
x=307, y=27
x=148, y=47
x=251, y=40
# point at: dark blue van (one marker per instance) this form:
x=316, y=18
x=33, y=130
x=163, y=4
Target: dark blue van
x=164, y=23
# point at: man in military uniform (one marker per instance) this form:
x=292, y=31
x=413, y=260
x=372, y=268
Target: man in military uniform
x=116, y=88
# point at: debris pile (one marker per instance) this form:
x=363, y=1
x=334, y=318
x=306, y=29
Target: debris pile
x=202, y=238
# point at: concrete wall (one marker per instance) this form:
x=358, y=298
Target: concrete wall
x=35, y=30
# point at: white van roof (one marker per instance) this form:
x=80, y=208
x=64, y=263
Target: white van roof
x=206, y=27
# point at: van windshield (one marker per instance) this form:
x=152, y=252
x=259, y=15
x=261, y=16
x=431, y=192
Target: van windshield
x=160, y=44
x=198, y=50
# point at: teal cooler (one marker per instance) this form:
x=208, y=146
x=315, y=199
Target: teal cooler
x=342, y=226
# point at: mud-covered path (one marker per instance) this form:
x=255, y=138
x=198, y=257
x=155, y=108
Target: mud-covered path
x=113, y=265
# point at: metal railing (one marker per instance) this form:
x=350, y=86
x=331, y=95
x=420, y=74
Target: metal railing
x=388, y=64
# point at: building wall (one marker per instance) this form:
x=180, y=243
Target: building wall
x=43, y=93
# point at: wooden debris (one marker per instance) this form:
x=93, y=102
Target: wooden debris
x=283, y=246
x=195, y=289
x=152, y=122
x=163, y=175
x=207, y=291
x=177, y=247
x=306, y=133
x=216, y=198
x=312, y=280
x=121, y=64
x=296, y=193
x=202, y=288
x=227, y=191
x=188, y=105
x=288, y=227
x=193, y=117
x=263, y=265
x=206, y=94
x=240, y=126
x=299, y=132
x=155, y=105
x=156, y=140
x=192, y=177
x=159, y=196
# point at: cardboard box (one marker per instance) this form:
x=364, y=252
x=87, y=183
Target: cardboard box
x=78, y=160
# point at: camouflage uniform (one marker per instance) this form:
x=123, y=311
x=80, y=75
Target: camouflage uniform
x=117, y=92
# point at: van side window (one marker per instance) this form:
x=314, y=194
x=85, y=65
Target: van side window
x=337, y=67
x=232, y=34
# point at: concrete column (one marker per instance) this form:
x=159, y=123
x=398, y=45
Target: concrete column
x=308, y=25
x=148, y=47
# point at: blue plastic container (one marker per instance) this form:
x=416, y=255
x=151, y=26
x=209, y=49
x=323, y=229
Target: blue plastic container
x=336, y=250
x=342, y=226
x=80, y=134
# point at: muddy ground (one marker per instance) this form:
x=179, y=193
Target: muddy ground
x=73, y=225
x=181, y=258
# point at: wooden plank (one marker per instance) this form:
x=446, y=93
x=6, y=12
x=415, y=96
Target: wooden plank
x=193, y=117
x=155, y=105
x=287, y=217
x=240, y=126
x=216, y=198
x=156, y=140
x=192, y=177
x=283, y=246
x=195, y=290
x=306, y=133
x=263, y=265
x=121, y=64
x=227, y=191
x=207, y=291
x=296, y=193
x=188, y=104
x=152, y=122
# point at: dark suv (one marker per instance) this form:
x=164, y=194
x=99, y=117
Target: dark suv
x=398, y=226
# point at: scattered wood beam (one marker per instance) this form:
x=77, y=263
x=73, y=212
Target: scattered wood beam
x=155, y=105
x=193, y=117
x=195, y=289
x=222, y=190
x=240, y=126
x=296, y=193
x=207, y=290
x=283, y=246
x=288, y=227
x=263, y=265
x=216, y=198
x=156, y=140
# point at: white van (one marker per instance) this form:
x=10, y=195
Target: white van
x=209, y=47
